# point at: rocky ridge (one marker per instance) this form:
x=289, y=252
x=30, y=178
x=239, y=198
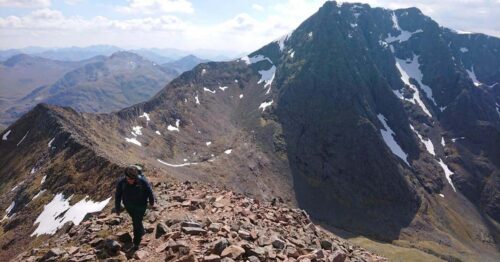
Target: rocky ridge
x=194, y=222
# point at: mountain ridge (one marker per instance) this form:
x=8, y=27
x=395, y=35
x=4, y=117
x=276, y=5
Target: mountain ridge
x=343, y=117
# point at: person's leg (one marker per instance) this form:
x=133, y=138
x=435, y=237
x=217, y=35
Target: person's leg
x=137, y=216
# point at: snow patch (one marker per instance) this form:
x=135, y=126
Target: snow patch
x=197, y=99
x=281, y=41
x=22, y=139
x=265, y=105
x=410, y=69
x=222, y=88
x=145, y=115
x=208, y=90
x=203, y=71
x=267, y=76
x=176, y=165
x=133, y=141
x=255, y=59
x=43, y=179
x=464, y=49
x=9, y=209
x=310, y=35
x=4, y=138
x=176, y=128
x=447, y=173
x=241, y=96
x=442, y=142
x=50, y=142
x=403, y=35
x=427, y=142
x=441, y=195
x=457, y=138
x=56, y=213
x=227, y=152
x=208, y=143
x=158, y=132
x=39, y=194
x=33, y=170
x=472, y=76
x=137, y=130
x=388, y=137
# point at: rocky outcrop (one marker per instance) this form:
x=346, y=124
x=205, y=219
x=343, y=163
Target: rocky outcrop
x=192, y=222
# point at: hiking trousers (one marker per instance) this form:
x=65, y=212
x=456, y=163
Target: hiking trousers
x=137, y=213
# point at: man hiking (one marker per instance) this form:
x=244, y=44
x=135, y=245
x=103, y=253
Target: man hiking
x=135, y=191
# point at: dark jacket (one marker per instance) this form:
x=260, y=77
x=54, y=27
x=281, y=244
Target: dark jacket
x=136, y=194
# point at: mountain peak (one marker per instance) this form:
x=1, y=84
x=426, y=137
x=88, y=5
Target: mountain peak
x=126, y=55
x=20, y=58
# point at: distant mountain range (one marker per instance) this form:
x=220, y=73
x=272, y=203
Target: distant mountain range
x=157, y=55
x=184, y=64
x=99, y=84
x=381, y=124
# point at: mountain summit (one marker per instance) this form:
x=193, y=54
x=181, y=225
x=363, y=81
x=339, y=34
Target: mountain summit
x=377, y=122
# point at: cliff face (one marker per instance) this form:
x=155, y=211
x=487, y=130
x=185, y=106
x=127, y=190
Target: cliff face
x=371, y=120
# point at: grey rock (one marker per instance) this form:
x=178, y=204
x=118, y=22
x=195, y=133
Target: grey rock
x=220, y=245
x=194, y=230
x=161, y=229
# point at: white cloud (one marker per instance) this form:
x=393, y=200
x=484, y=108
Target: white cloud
x=149, y=7
x=49, y=19
x=467, y=15
x=25, y=3
x=73, y=2
x=257, y=7
x=242, y=32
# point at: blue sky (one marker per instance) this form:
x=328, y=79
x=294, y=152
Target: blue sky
x=238, y=25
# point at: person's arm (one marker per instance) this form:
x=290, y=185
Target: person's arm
x=118, y=196
x=149, y=189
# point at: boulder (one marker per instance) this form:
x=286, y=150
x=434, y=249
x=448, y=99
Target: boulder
x=140, y=255
x=112, y=247
x=161, y=229
x=124, y=237
x=53, y=254
x=337, y=256
x=215, y=227
x=190, y=224
x=211, y=258
x=219, y=246
x=233, y=251
x=326, y=244
x=194, y=230
x=278, y=243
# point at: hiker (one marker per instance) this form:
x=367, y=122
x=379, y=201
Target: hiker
x=135, y=191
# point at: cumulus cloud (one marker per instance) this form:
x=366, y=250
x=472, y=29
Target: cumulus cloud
x=49, y=19
x=149, y=7
x=257, y=7
x=240, y=32
x=25, y=3
x=73, y=2
x=469, y=15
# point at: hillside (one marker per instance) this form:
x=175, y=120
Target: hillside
x=199, y=223
x=99, y=85
x=21, y=74
x=376, y=122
